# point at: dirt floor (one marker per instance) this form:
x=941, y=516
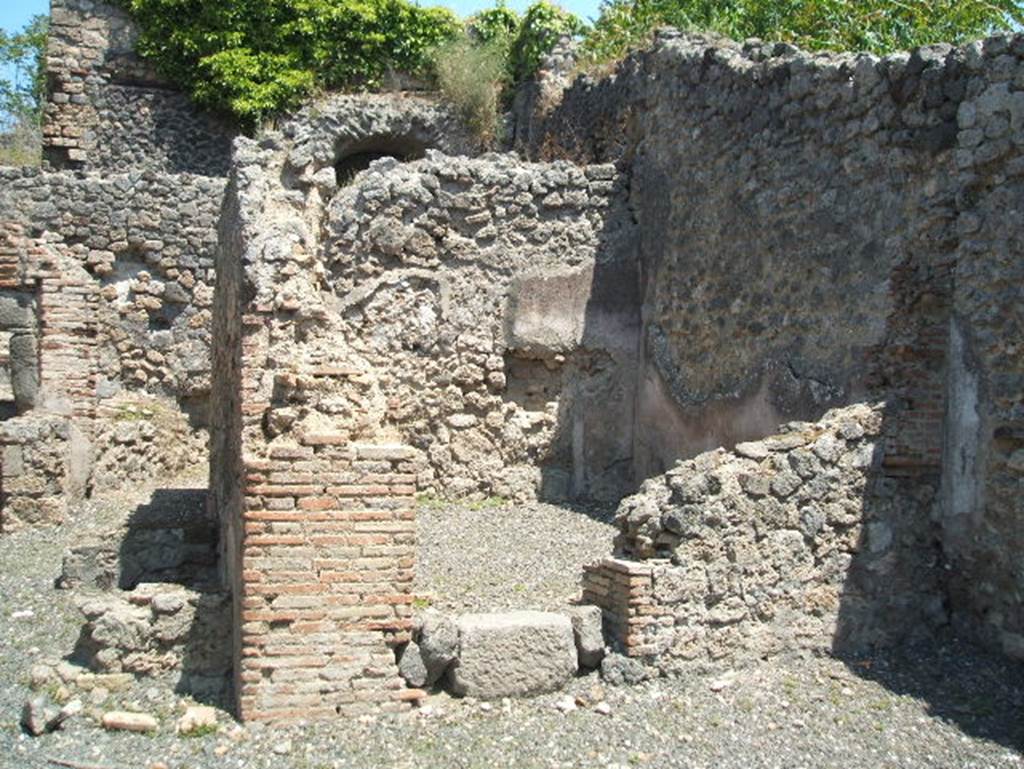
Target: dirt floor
x=944, y=705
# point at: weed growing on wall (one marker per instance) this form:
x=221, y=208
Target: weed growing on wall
x=878, y=26
x=500, y=49
x=472, y=75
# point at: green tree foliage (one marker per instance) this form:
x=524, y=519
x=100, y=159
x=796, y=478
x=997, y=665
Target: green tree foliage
x=253, y=58
x=879, y=26
x=499, y=24
x=23, y=59
x=22, y=91
x=541, y=27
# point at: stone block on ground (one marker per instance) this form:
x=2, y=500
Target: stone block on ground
x=36, y=715
x=117, y=720
x=438, y=644
x=514, y=654
x=411, y=666
x=588, y=633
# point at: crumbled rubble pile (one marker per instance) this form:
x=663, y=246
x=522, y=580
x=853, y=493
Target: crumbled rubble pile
x=35, y=483
x=157, y=628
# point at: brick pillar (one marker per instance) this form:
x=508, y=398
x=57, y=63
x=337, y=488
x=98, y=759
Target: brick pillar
x=45, y=462
x=67, y=297
x=327, y=567
x=323, y=555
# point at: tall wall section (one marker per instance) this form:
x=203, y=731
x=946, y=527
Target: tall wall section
x=108, y=111
x=112, y=266
x=428, y=324
x=823, y=230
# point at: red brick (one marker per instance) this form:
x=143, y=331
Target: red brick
x=274, y=540
x=273, y=490
x=283, y=516
x=358, y=491
x=283, y=616
x=318, y=503
x=288, y=588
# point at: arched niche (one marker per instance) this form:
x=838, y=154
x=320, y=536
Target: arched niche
x=353, y=157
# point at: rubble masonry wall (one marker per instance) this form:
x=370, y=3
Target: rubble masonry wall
x=828, y=229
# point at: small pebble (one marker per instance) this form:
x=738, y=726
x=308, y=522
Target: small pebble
x=566, y=704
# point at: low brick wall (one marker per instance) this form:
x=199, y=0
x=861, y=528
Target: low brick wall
x=624, y=590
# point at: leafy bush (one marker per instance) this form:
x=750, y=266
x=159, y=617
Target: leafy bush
x=253, y=58
x=472, y=76
x=22, y=55
x=497, y=24
x=879, y=26
x=542, y=25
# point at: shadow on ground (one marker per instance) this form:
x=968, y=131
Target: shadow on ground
x=168, y=603
x=980, y=693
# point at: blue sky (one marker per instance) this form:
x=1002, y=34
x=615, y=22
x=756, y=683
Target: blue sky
x=15, y=13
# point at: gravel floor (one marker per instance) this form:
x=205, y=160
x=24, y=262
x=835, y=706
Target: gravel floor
x=943, y=706
x=488, y=557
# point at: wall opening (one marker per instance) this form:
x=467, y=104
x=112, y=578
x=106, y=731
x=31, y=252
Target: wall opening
x=358, y=156
x=8, y=408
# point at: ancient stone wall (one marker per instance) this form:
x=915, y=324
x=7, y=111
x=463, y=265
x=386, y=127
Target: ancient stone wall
x=123, y=315
x=722, y=239
x=147, y=242
x=984, y=451
x=494, y=303
x=46, y=435
x=470, y=288
x=794, y=542
x=432, y=324
x=776, y=194
x=108, y=111
x=106, y=323
x=819, y=230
